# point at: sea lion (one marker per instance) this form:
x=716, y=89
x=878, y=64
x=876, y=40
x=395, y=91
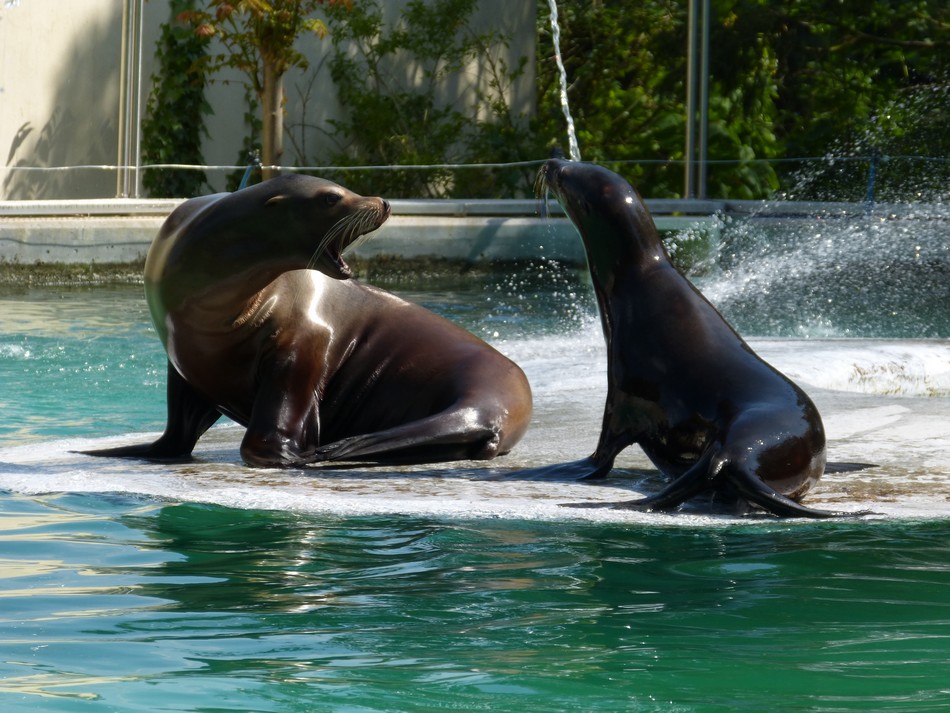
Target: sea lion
x=682, y=384
x=318, y=367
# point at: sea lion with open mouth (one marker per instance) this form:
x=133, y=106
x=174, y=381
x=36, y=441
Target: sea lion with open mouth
x=319, y=368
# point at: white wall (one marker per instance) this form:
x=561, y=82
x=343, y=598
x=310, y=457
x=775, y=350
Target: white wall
x=61, y=82
x=59, y=73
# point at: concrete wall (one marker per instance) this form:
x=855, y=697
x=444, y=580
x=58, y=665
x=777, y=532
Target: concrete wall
x=61, y=83
x=478, y=231
x=59, y=96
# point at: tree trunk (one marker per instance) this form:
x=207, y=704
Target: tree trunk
x=272, y=108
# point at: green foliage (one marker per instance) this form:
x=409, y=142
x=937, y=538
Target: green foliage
x=626, y=86
x=258, y=39
x=787, y=80
x=913, y=125
x=396, y=86
x=626, y=65
x=174, y=123
x=811, y=78
x=255, y=32
x=850, y=79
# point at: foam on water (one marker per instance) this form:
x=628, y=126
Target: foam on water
x=885, y=367
x=881, y=275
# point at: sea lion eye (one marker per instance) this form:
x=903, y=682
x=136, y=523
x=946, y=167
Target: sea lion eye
x=331, y=199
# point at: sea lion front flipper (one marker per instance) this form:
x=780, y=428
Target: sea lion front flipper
x=843, y=467
x=189, y=415
x=596, y=466
x=690, y=483
x=284, y=425
x=583, y=469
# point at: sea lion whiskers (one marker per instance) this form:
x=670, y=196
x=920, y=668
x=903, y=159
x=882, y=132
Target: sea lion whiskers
x=542, y=191
x=359, y=240
x=332, y=234
x=541, y=183
x=373, y=217
x=350, y=231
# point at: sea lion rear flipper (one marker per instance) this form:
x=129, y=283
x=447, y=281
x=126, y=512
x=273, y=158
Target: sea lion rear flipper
x=460, y=434
x=751, y=487
x=189, y=416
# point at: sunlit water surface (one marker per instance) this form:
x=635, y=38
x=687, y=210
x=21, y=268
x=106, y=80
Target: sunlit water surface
x=210, y=586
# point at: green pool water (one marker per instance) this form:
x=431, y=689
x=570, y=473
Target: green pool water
x=117, y=603
x=211, y=587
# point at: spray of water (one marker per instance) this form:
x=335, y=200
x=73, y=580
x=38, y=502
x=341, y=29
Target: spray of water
x=851, y=269
x=573, y=148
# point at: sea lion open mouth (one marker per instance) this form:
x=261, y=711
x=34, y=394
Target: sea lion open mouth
x=348, y=233
x=331, y=263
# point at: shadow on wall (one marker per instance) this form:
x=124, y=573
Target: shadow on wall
x=81, y=126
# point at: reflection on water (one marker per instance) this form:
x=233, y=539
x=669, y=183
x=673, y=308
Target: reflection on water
x=77, y=312
x=213, y=608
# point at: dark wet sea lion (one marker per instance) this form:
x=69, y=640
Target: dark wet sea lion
x=682, y=384
x=317, y=367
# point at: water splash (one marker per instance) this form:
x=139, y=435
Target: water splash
x=881, y=275
x=895, y=157
x=543, y=296
x=573, y=148
x=801, y=266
